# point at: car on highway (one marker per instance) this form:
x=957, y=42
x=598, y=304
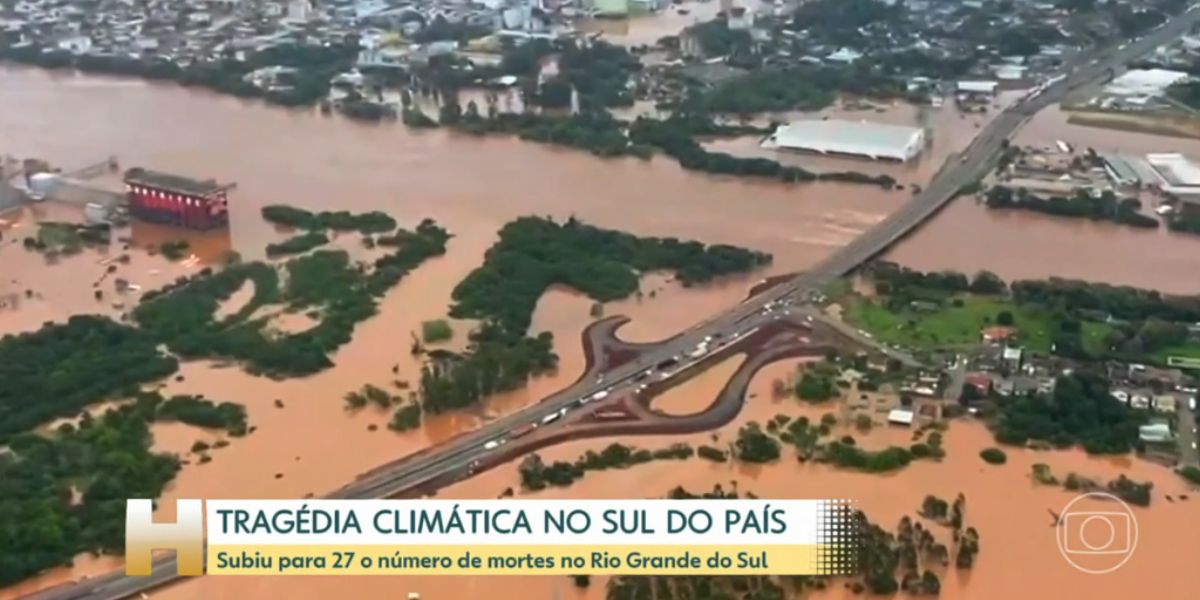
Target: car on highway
x=666, y=364
x=525, y=429
x=491, y=444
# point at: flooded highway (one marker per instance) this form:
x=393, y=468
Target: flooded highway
x=411, y=176
x=417, y=175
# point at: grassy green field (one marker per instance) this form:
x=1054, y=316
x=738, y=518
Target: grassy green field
x=1093, y=336
x=1190, y=353
x=960, y=326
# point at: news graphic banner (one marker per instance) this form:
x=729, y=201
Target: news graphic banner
x=498, y=537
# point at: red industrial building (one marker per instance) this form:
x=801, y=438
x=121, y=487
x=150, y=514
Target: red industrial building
x=175, y=200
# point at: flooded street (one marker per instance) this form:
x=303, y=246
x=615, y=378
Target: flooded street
x=1015, y=244
x=646, y=30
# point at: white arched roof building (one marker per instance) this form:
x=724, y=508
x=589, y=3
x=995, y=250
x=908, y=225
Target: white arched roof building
x=852, y=138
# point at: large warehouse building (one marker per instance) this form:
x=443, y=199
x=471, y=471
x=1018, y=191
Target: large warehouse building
x=876, y=141
x=1176, y=173
x=174, y=200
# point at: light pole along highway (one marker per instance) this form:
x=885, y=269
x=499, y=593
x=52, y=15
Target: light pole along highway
x=459, y=453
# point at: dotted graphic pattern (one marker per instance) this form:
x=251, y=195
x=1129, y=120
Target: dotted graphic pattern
x=838, y=538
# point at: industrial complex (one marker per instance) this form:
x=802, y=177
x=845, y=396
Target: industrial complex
x=148, y=195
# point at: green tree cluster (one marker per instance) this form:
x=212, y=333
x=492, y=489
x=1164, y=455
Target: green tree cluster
x=495, y=361
x=369, y=394
x=437, y=330
x=297, y=244
x=406, y=418
x=849, y=456
x=769, y=90
x=537, y=475
x=535, y=253
x=325, y=281
x=1131, y=491
x=714, y=454
x=532, y=255
x=599, y=72
x=299, y=218
x=934, y=508
x=595, y=131
x=174, y=250
x=753, y=445
x=816, y=387
x=1079, y=411
x=993, y=456
x=66, y=239
x=1120, y=302
x=201, y=412
x=1080, y=204
x=314, y=66
x=64, y=493
x=62, y=368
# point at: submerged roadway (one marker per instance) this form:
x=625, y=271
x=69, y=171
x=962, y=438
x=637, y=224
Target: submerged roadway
x=671, y=356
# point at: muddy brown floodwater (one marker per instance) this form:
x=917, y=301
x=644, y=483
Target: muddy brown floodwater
x=1018, y=557
x=1016, y=244
x=472, y=186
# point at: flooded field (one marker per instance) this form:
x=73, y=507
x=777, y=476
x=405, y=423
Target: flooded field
x=473, y=187
x=469, y=185
x=1019, y=556
x=968, y=237
x=35, y=289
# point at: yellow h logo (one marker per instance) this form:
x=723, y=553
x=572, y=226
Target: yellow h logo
x=185, y=536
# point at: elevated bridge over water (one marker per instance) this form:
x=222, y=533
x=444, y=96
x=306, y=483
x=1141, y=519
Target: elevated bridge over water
x=454, y=458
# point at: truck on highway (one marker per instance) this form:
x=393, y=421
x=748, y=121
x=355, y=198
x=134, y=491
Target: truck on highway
x=554, y=416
